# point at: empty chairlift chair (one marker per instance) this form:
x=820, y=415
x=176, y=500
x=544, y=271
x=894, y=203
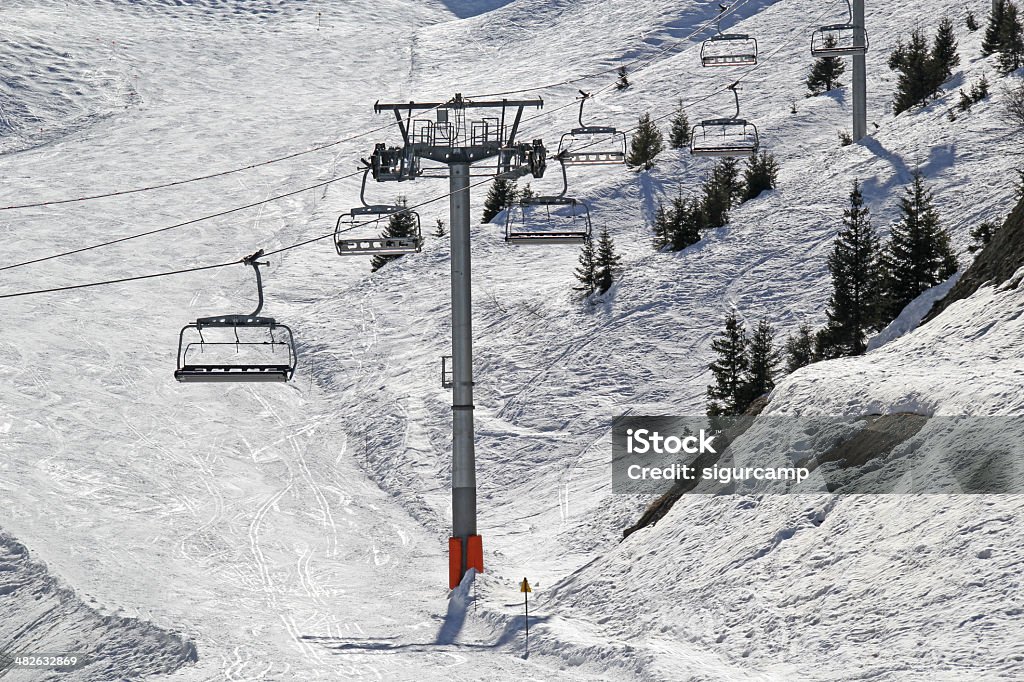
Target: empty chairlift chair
x=592, y=145
x=839, y=40
x=725, y=137
x=556, y=219
x=369, y=219
x=237, y=348
x=728, y=49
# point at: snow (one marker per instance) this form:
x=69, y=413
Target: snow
x=299, y=532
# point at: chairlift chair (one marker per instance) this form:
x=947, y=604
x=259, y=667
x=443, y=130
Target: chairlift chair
x=839, y=40
x=728, y=49
x=724, y=137
x=204, y=360
x=369, y=218
x=552, y=219
x=592, y=145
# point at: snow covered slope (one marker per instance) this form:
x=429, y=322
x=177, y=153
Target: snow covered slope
x=298, y=532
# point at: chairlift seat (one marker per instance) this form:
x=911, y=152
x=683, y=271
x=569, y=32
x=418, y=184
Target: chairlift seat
x=244, y=370
x=729, y=49
x=837, y=40
x=734, y=137
x=577, y=232
x=376, y=245
x=233, y=373
x=611, y=153
x=391, y=246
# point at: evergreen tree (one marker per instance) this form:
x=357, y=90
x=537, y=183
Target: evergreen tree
x=721, y=190
x=687, y=222
x=992, y=43
x=1011, y=40
x=971, y=22
x=623, y=81
x=646, y=144
x=856, y=272
x=728, y=392
x=916, y=75
x=441, y=230
x=826, y=71
x=499, y=197
x=401, y=224
x=763, y=363
x=943, y=57
x=759, y=175
x=979, y=90
x=982, y=235
x=606, y=264
x=800, y=348
x=919, y=255
x=679, y=136
x=586, y=273
x=663, y=227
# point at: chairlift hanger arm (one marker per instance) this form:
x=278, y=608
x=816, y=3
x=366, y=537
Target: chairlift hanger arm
x=253, y=260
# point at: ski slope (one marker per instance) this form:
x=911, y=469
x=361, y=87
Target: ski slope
x=299, y=532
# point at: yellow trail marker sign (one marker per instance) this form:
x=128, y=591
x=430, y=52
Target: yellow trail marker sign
x=525, y=586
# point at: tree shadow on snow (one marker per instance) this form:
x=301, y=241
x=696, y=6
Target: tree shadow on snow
x=464, y=9
x=939, y=158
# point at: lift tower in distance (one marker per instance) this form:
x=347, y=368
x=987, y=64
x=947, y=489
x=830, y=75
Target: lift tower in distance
x=849, y=39
x=449, y=137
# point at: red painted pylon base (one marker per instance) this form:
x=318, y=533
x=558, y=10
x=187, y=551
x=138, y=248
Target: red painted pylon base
x=474, y=558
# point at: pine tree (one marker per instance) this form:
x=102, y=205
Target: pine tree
x=663, y=227
x=679, y=135
x=441, y=230
x=646, y=144
x=687, y=222
x=759, y=175
x=623, y=81
x=919, y=255
x=971, y=21
x=726, y=395
x=982, y=235
x=586, y=273
x=721, y=190
x=856, y=272
x=499, y=197
x=401, y=224
x=916, y=78
x=763, y=363
x=1011, y=40
x=979, y=90
x=826, y=71
x=607, y=262
x=992, y=43
x=943, y=57
x=800, y=348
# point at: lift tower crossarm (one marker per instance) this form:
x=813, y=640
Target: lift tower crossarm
x=536, y=103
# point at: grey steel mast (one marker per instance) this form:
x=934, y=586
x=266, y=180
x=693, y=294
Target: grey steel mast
x=458, y=143
x=860, y=88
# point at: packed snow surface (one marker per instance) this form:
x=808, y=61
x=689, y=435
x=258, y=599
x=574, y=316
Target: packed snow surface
x=299, y=532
